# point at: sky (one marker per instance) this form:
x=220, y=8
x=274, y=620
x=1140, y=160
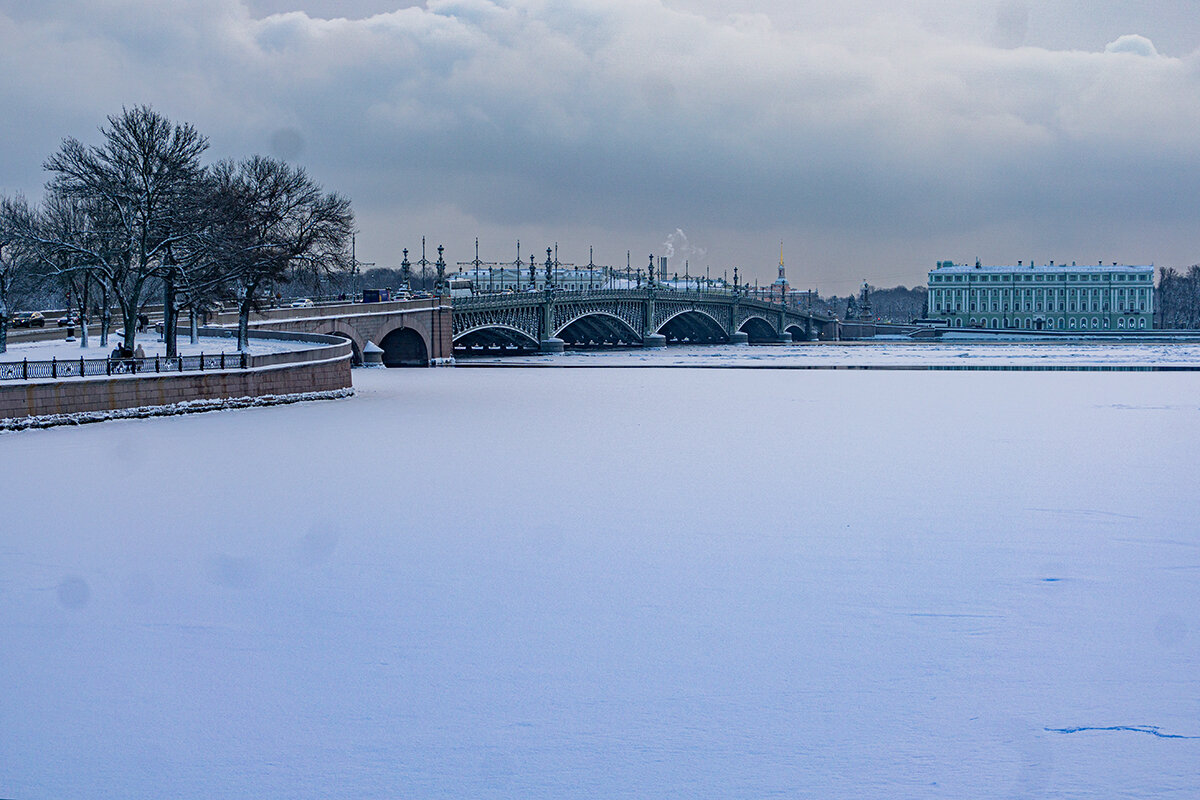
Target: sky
x=870, y=140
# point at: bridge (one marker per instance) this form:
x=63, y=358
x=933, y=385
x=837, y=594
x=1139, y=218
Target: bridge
x=425, y=331
x=412, y=333
x=547, y=320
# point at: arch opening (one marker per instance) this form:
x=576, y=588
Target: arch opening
x=494, y=340
x=598, y=330
x=356, y=352
x=759, y=330
x=692, y=327
x=404, y=347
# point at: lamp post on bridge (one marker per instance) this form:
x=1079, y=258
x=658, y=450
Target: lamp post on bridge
x=547, y=341
x=650, y=337
x=736, y=336
x=476, y=264
x=424, y=264
x=516, y=265
x=440, y=286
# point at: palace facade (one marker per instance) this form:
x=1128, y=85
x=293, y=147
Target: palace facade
x=1048, y=297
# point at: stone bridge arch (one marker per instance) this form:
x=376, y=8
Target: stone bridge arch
x=404, y=347
x=347, y=332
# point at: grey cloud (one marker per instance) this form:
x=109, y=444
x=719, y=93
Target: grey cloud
x=636, y=116
x=1012, y=23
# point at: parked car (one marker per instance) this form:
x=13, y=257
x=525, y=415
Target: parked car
x=29, y=319
x=303, y=302
x=71, y=318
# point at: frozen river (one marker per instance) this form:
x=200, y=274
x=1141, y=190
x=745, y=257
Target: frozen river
x=905, y=354
x=506, y=583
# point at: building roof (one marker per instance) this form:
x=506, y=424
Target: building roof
x=1040, y=268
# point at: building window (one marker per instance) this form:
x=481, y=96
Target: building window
x=1121, y=322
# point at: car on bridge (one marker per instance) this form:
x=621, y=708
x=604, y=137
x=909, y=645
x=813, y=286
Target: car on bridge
x=303, y=302
x=29, y=319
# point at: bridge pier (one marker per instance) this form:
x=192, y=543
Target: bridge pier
x=654, y=340
x=785, y=337
x=739, y=337
x=551, y=345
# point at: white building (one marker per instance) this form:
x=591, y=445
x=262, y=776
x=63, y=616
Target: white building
x=1048, y=297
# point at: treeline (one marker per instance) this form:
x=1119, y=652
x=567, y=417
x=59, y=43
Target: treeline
x=1178, y=297
x=139, y=219
x=898, y=304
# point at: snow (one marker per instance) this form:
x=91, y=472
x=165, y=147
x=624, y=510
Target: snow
x=168, y=409
x=62, y=349
x=635, y=583
x=916, y=355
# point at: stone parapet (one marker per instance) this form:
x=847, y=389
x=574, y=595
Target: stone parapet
x=323, y=368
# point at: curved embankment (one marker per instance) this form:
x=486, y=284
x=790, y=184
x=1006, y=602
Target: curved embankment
x=318, y=372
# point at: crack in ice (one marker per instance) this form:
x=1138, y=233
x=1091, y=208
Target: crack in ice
x=1153, y=730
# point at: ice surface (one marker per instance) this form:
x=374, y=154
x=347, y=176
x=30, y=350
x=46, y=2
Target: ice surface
x=613, y=583
x=875, y=353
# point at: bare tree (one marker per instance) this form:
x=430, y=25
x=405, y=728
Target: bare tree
x=139, y=189
x=278, y=223
x=18, y=273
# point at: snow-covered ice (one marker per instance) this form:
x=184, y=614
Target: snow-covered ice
x=875, y=353
x=507, y=583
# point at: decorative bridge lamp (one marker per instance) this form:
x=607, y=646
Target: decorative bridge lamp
x=441, y=271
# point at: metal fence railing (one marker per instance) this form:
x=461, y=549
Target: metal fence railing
x=85, y=367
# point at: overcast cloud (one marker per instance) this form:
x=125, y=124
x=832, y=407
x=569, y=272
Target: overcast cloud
x=872, y=141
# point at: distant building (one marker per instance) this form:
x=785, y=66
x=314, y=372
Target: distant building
x=778, y=291
x=1061, y=298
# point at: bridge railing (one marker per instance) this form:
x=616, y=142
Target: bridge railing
x=661, y=293
x=90, y=367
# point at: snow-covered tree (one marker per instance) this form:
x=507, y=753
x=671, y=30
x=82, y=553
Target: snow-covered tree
x=18, y=267
x=140, y=192
x=277, y=223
